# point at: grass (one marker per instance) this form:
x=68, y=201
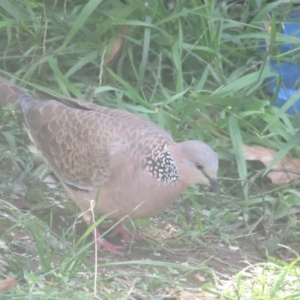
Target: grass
x=197, y=69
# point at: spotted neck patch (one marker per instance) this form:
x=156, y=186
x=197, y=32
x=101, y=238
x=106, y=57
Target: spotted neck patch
x=160, y=164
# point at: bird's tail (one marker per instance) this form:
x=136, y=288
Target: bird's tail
x=11, y=94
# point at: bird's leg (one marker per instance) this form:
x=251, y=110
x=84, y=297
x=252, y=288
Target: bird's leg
x=126, y=235
x=105, y=245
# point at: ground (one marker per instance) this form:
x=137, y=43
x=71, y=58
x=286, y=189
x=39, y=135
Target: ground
x=192, y=258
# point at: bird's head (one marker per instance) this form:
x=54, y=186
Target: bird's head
x=198, y=164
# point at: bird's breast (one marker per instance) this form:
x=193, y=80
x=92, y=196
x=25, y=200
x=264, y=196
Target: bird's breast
x=136, y=198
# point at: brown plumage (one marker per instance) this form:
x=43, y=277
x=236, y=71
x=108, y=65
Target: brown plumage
x=133, y=164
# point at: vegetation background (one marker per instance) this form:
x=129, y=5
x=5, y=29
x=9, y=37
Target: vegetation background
x=197, y=68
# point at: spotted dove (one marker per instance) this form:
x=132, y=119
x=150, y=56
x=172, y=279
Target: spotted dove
x=128, y=165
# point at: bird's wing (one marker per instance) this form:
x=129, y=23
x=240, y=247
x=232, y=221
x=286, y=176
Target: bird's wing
x=74, y=142
x=84, y=143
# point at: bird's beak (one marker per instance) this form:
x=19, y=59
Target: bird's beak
x=214, y=185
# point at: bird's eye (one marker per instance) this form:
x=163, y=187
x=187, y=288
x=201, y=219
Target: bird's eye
x=199, y=166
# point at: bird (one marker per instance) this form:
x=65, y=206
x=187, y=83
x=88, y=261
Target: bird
x=113, y=162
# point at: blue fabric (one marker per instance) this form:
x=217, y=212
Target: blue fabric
x=289, y=72
x=283, y=96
